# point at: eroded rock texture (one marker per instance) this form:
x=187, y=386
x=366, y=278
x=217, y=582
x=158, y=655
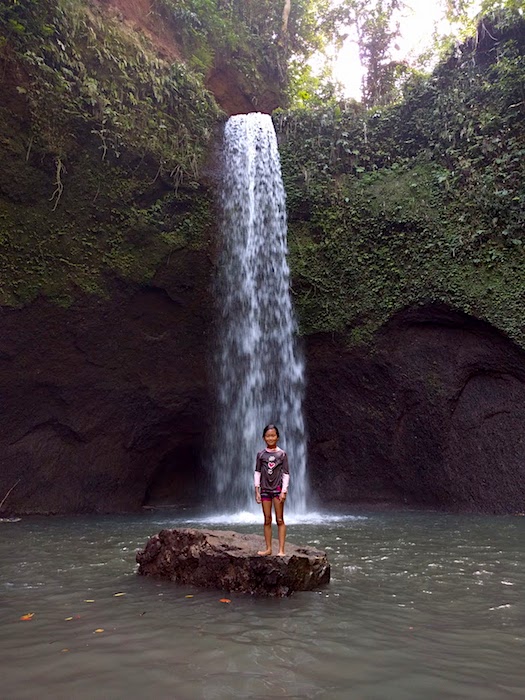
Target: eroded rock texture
x=105, y=404
x=229, y=561
x=433, y=415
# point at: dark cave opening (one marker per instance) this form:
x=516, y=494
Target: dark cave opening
x=179, y=479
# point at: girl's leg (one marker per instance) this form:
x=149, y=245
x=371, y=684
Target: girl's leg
x=267, y=510
x=281, y=527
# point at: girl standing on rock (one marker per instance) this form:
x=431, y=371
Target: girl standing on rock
x=271, y=484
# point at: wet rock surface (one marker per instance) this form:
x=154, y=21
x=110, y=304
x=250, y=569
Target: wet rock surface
x=104, y=402
x=107, y=406
x=229, y=561
x=432, y=415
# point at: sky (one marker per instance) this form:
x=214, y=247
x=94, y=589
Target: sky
x=417, y=27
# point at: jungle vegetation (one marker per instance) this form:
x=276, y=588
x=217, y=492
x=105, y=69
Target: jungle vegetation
x=418, y=201
x=411, y=195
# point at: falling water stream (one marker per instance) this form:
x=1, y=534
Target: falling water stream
x=260, y=371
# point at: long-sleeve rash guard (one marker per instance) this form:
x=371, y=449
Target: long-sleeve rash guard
x=271, y=470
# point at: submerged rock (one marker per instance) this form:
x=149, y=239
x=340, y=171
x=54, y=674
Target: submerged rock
x=229, y=561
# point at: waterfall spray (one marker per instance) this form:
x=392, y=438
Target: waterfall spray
x=259, y=369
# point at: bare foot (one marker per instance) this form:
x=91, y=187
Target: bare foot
x=281, y=554
x=266, y=553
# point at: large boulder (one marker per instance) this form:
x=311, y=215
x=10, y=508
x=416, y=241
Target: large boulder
x=229, y=561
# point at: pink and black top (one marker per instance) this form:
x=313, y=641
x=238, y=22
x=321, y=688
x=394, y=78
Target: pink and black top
x=271, y=471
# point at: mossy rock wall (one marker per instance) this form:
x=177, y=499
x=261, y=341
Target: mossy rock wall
x=103, y=146
x=107, y=228
x=430, y=414
x=419, y=202
x=407, y=235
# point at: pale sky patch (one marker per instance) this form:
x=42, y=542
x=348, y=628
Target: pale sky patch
x=419, y=22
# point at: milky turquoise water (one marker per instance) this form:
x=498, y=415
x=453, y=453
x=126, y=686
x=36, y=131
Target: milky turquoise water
x=420, y=605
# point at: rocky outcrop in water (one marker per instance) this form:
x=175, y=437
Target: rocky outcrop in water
x=229, y=561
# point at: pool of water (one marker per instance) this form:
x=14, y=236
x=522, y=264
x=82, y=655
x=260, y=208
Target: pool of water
x=421, y=605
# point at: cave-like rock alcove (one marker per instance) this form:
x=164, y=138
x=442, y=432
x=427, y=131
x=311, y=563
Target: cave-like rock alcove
x=431, y=415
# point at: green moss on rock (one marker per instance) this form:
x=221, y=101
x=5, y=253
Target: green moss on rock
x=102, y=148
x=421, y=202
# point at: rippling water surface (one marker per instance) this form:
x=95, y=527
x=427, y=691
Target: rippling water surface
x=420, y=606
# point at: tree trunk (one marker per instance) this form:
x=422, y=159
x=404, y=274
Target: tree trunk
x=286, y=14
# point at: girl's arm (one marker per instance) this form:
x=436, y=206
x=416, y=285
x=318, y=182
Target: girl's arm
x=286, y=473
x=257, y=479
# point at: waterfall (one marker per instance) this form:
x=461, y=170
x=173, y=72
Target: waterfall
x=259, y=369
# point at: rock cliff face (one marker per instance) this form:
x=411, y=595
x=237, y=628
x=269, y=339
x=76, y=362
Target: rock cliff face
x=432, y=415
x=105, y=404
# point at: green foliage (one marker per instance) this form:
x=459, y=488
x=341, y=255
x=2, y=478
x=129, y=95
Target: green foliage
x=86, y=73
x=376, y=34
x=102, y=145
x=469, y=12
x=310, y=90
x=248, y=36
x=376, y=30
x=109, y=220
x=421, y=201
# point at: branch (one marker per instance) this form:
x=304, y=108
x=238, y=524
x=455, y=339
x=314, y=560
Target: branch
x=7, y=494
x=59, y=187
